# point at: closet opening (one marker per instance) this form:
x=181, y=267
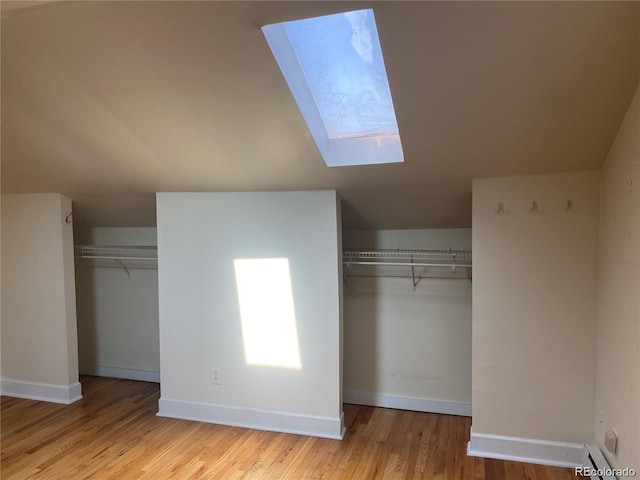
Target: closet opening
x=117, y=303
x=407, y=319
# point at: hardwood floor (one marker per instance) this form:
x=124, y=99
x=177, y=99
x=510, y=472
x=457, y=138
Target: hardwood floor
x=113, y=433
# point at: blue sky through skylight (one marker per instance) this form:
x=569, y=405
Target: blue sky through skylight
x=342, y=62
x=335, y=70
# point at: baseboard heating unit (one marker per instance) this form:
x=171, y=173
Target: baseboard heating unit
x=595, y=466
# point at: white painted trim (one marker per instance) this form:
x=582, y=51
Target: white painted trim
x=408, y=403
x=117, y=372
x=326, y=427
x=65, y=394
x=518, y=449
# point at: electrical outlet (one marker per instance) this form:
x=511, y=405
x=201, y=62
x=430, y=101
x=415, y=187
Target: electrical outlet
x=216, y=375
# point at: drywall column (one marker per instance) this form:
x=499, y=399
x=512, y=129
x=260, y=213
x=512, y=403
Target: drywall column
x=118, y=310
x=618, y=372
x=408, y=348
x=39, y=339
x=534, y=316
x=226, y=261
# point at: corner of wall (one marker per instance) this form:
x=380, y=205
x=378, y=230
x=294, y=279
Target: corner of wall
x=618, y=361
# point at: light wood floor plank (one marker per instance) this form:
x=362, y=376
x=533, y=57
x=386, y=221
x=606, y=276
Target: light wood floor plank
x=113, y=432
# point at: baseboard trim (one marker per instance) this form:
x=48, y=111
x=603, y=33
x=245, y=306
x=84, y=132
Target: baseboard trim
x=314, y=426
x=116, y=372
x=408, y=403
x=65, y=394
x=529, y=450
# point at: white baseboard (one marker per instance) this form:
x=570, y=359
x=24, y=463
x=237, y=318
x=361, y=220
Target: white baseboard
x=517, y=449
x=115, y=372
x=326, y=427
x=65, y=394
x=408, y=403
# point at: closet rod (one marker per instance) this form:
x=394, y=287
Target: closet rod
x=116, y=252
x=96, y=257
x=408, y=264
x=406, y=258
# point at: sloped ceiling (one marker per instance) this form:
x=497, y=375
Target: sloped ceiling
x=109, y=102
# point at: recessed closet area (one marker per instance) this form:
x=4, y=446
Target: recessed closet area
x=116, y=272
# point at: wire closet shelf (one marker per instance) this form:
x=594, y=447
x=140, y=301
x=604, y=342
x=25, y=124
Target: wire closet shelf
x=413, y=259
x=142, y=253
x=125, y=257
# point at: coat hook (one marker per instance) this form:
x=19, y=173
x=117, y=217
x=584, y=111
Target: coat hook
x=535, y=208
x=501, y=210
x=69, y=218
x=570, y=208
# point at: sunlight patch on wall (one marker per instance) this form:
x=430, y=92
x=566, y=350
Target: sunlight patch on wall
x=267, y=312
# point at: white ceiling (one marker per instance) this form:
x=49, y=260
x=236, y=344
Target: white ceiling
x=109, y=102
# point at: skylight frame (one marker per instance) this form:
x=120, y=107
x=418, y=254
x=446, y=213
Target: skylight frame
x=347, y=150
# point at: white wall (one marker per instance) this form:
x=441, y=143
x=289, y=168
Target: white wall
x=199, y=237
x=432, y=239
x=39, y=343
x=118, y=313
x=404, y=348
x=618, y=373
x=534, y=308
x=137, y=236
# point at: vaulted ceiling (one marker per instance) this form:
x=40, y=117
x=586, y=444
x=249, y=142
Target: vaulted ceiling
x=109, y=102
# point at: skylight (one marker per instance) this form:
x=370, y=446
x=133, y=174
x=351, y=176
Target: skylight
x=335, y=70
